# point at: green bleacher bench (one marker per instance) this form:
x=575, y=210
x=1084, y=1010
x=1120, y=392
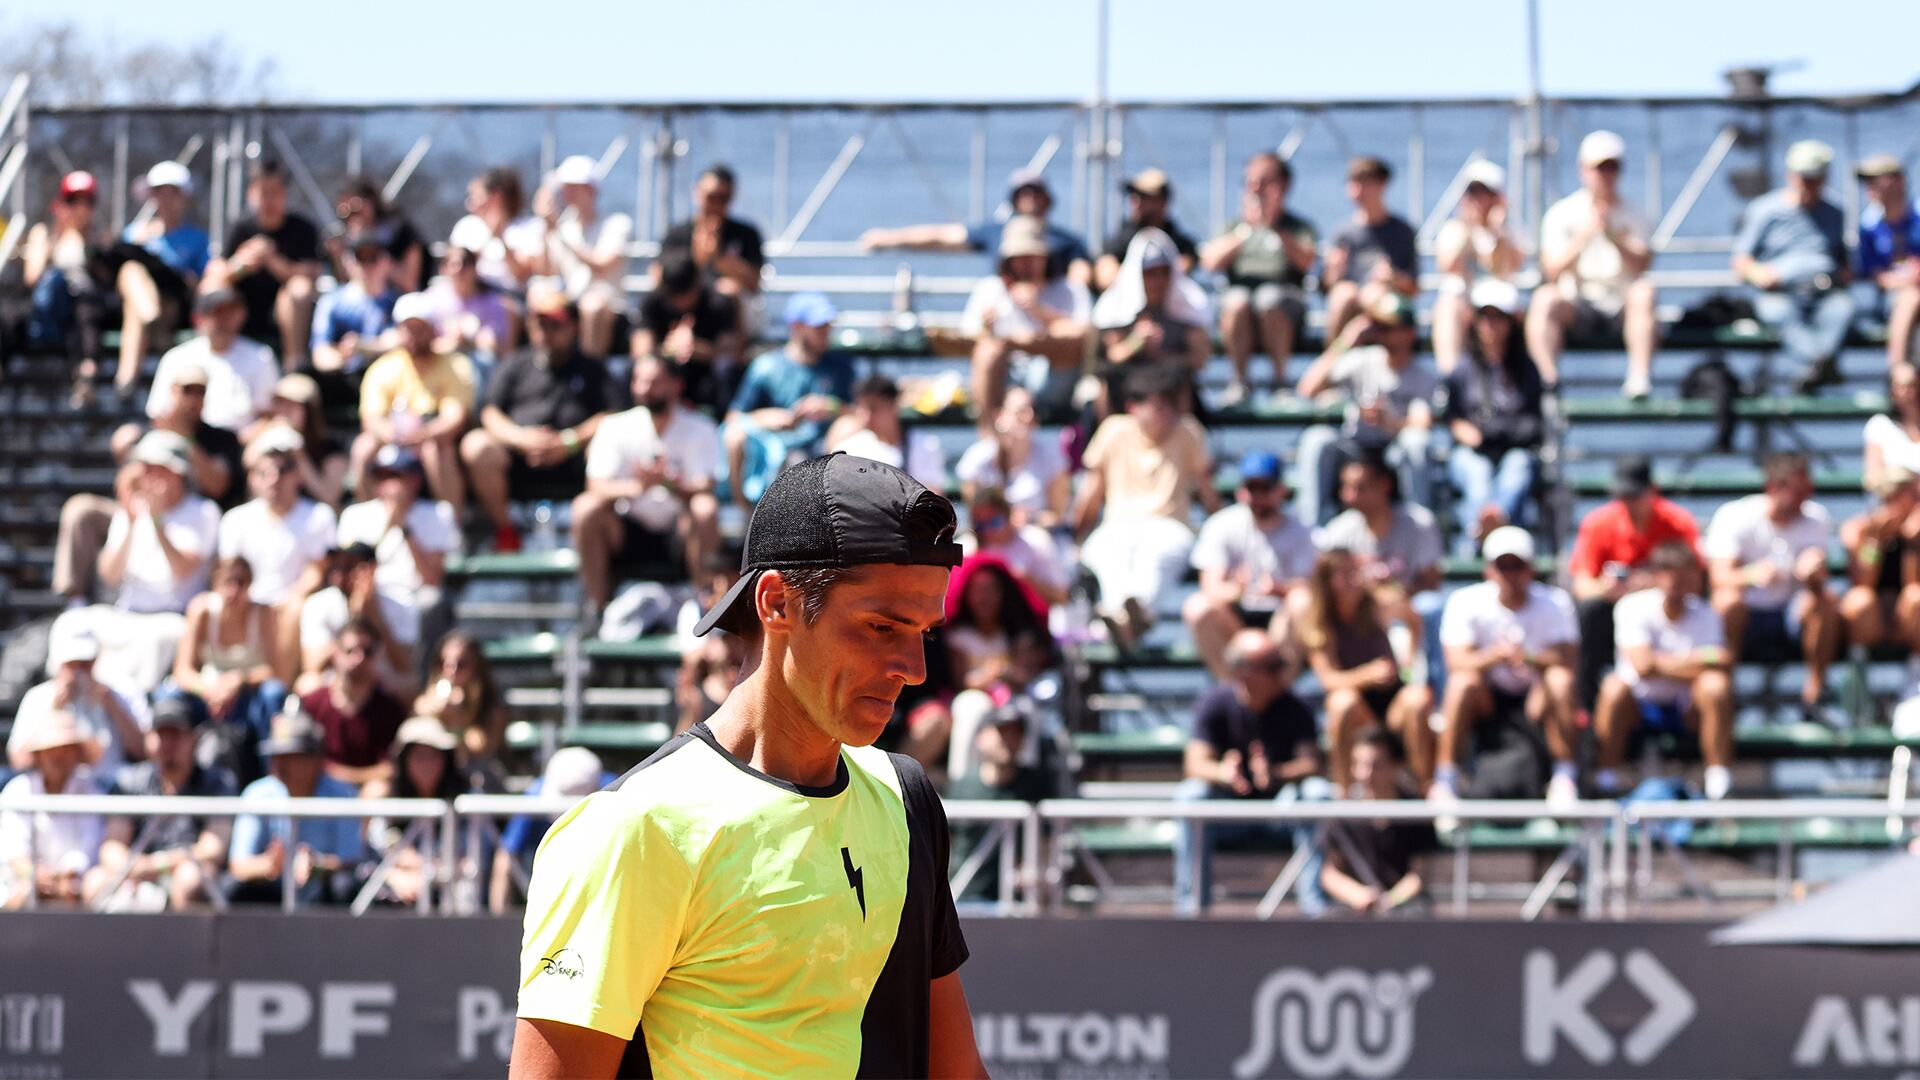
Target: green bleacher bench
x=1778, y=740
x=1179, y=654
x=617, y=737
x=1729, y=482
x=544, y=647
x=1167, y=740
x=1710, y=835
x=1620, y=410
x=558, y=563
x=1541, y=835
x=523, y=649
x=1128, y=838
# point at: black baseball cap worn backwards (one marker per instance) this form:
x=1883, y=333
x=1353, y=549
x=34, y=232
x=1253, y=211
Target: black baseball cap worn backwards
x=837, y=511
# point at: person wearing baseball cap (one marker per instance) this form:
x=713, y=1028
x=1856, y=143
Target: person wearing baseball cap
x=420, y=398
x=1149, y=193
x=355, y=320
x=411, y=536
x=114, y=718
x=1595, y=248
x=587, y=249
x=787, y=398
x=1040, y=340
x=240, y=372
x=1028, y=196
x=1252, y=556
x=69, y=305
x=1792, y=249
x=1373, y=254
x=157, y=266
x=183, y=854
x=324, y=851
x=162, y=538
x=1510, y=645
x=1474, y=246
x=776, y=824
x=48, y=856
x=1889, y=249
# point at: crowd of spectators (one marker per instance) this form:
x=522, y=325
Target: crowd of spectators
x=267, y=611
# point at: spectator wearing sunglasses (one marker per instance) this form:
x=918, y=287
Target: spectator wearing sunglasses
x=69, y=302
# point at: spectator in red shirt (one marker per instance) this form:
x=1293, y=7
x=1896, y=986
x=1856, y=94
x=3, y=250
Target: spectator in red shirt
x=358, y=718
x=1611, y=559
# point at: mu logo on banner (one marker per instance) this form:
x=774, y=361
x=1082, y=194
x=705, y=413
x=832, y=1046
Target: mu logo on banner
x=1344, y=1023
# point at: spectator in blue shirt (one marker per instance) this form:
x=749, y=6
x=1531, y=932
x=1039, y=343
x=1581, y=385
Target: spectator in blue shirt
x=354, y=322
x=1793, y=249
x=326, y=853
x=157, y=265
x=572, y=772
x=787, y=399
x=1029, y=197
x=1890, y=249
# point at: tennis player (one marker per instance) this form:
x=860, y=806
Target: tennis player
x=767, y=894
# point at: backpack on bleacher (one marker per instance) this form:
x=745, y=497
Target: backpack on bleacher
x=1712, y=380
x=1510, y=759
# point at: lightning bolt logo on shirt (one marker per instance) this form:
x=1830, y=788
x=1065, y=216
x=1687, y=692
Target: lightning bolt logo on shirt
x=856, y=881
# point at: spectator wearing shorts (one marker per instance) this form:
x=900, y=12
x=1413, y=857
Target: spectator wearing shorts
x=273, y=259
x=1388, y=398
x=1345, y=638
x=1792, y=249
x=1595, y=249
x=1027, y=326
x=1266, y=257
x=650, y=481
x=1373, y=255
x=1251, y=557
x=586, y=249
x=1474, y=246
x=543, y=408
x=1889, y=250
x=1511, y=642
x=418, y=399
x=787, y=399
x=1882, y=604
x=1768, y=554
x=158, y=264
x=1149, y=193
x=1673, y=674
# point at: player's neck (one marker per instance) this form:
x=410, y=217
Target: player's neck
x=760, y=724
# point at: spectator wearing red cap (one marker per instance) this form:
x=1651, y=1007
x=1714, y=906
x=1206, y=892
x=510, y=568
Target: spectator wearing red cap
x=69, y=302
x=586, y=249
x=273, y=259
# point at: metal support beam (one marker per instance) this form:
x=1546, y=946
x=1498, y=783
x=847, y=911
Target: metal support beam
x=302, y=176
x=403, y=172
x=818, y=197
x=1696, y=183
x=1449, y=198
x=977, y=170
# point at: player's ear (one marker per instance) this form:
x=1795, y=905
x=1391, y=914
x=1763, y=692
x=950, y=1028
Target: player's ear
x=776, y=605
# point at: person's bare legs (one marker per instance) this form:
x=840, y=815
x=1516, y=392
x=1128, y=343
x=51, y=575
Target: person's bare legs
x=1906, y=617
x=596, y=325
x=1640, y=331
x=1211, y=623
x=1548, y=316
x=293, y=313
x=84, y=520
x=487, y=461
x=1467, y=701
x=1237, y=332
x=1860, y=612
x=1551, y=703
x=440, y=459
x=1903, y=309
x=1276, y=331
x=1713, y=712
x=1343, y=303
x=597, y=537
x=1731, y=604
x=1819, y=639
x=990, y=360
x=735, y=441
x=1616, y=715
x=1451, y=317
x=1410, y=716
x=700, y=531
x=359, y=456
x=140, y=309
x=1348, y=714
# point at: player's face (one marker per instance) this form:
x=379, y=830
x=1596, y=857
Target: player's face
x=848, y=666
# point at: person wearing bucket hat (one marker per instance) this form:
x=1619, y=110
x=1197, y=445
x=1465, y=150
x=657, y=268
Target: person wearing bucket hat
x=1474, y=246
x=73, y=686
x=1889, y=249
x=671, y=868
x=419, y=398
x=1251, y=556
x=1883, y=602
x=239, y=372
x=1028, y=195
x=325, y=852
x=1026, y=324
x=1496, y=414
x=1792, y=250
x=1265, y=255
x=1149, y=193
x=1594, y=254
x=50, y=854
x=787, y=399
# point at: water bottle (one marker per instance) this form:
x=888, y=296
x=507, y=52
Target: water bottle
x=545, y=537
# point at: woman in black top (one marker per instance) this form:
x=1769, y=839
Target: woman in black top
x=1882, y=606
x=1347, y=646
x=1494, y=415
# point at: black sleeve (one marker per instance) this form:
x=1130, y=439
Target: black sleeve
x=678, y=238
x=1210, y=723
x=503, y=384
x=749, y=242
x=300, y=240
x=242, y=232
x=1182, y=242
x=927, y=818
x=1459, y=394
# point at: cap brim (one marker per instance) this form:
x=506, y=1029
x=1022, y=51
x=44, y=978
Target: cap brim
x=733, y=608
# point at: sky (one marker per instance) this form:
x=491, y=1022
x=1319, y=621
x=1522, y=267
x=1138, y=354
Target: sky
x=903, y=50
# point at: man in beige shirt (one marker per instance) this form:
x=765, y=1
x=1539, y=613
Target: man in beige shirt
x=1145, y=469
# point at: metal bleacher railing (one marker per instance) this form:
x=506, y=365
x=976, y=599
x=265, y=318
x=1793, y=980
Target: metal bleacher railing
x=1038, y=845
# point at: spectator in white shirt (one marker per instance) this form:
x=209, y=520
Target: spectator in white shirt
x=1027, y=550
x=1768, y=555
x=650, y=479
x=1473, y=246
x=1511, y=643
x=1251, y=557
x=1027, y=468
x=410, y=536
x=47, y=856
x=113, y=719
x=162, y=535
x=239, y=373
x=1594, y=255
x=1371, y=369
x=588, y=251
x=353, y=595
x=872, y=429
x=1026, y=326
x=1892, y=438
x=1672, y=674
x=283, y=535
x=508, y=243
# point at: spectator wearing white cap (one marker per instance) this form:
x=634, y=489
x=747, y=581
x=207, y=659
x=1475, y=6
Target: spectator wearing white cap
x=240, y=372
x=283, y=535
x=1026, y=324
x=1792, y=248
x=355, y=320
x=573, y=772
x=1495, y=414
x=420, y=399
x=787, y=399
x=1265, y=256
x=161, y=538
x=1149, y=194
x=1028, y=196
x=111, y=718
x=1889, y=249
x=273, y=259
x=44, y=856
x=585, y=249
x=1474, y=245
x=159, y=263
x=1510, y=643
x=1595, y=249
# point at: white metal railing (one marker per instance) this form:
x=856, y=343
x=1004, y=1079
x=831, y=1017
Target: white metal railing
x=1037, y=845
